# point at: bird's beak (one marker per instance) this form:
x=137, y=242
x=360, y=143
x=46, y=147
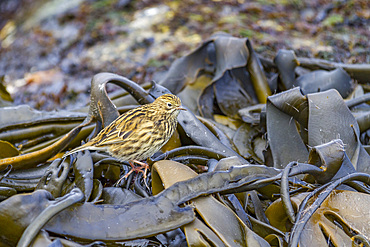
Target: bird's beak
x=181, y=108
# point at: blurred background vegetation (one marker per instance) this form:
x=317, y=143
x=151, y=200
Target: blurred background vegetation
x=50, y=49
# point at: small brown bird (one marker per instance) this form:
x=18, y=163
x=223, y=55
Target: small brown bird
x=139, y=133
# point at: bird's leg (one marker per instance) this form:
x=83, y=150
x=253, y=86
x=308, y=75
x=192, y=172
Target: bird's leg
x=139, y=169
x=136, y=169
x=126, y=176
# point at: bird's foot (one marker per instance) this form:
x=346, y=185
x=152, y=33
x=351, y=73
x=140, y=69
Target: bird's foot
x=140, y=168
x=136, y=169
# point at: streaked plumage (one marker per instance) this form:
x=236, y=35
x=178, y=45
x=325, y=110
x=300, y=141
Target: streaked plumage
x=139, y=133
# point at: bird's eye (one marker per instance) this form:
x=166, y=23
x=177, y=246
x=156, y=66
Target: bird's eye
x=169, y=104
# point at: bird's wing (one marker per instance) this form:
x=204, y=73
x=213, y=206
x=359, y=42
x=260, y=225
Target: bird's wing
x=119, y=130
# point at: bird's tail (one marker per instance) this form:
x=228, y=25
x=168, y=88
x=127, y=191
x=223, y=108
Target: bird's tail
x=86, y=146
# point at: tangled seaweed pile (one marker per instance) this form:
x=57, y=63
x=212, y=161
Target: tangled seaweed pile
x=276, y=157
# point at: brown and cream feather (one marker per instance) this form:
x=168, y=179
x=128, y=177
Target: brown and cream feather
x=138, y=133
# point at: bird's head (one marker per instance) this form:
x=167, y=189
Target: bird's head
x=170, y=103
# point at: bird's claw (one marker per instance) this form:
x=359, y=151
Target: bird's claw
x=136, y=169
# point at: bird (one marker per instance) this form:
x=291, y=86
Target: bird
x=139, y=133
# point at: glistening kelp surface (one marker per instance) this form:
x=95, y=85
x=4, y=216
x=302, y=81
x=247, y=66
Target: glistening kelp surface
x=264, y=155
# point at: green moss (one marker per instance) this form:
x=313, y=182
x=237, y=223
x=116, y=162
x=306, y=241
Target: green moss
x=246, y=33
x=333, y=20
x=157, y=63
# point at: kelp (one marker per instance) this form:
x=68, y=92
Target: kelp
x=286, y=62
x=321, y=80
x=257, y=75
x=321, y=117
x=302, y=217
x=255, y=170
x=360, y=72
x=32, y=230
x=30, y=160
x=5, y=97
